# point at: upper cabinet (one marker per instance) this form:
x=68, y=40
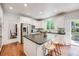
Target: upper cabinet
x=26, y=20
x=37, y=24
x=34, y=22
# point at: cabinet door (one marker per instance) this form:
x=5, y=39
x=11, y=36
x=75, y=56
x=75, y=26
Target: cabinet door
x=40, y=50
x=60, y=39
x=29, y=47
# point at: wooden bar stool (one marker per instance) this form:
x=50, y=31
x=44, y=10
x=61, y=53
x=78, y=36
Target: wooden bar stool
x=57, y=49
x=50, y=48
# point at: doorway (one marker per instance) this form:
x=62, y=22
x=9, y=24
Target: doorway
x=75, y=31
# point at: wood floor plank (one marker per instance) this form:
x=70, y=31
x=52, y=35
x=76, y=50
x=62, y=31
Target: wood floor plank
x=14, y=49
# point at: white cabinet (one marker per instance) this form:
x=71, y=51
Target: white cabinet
x=29, y=47
x=26, y=20
x=60, y=39
x=32, y=49
x=39, y=24
x=40, y=50
x=34, y=22
x=51, y=36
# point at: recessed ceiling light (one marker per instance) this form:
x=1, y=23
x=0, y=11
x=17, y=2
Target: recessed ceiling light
x=28, y=13
x=55, y=10
x=40, y=12
x=25, y=5
x=10, y=8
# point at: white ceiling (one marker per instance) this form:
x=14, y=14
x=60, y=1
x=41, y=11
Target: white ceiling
x=34, y=9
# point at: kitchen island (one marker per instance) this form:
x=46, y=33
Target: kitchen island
x=34, y=44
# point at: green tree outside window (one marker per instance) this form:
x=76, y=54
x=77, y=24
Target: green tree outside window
x=50, y=24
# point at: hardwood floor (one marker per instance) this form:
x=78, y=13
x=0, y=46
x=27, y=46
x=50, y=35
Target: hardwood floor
x=68, y=50
x=14, y=49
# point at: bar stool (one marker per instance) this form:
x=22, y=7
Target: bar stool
x=57, y=48
x=50, y=48
x=53, y=48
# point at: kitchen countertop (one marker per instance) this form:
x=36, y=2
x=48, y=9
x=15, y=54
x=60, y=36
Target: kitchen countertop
x=37, y=38
x=51, y=32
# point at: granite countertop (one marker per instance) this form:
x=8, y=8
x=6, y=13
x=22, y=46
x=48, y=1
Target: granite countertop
x=37, y=38
x=56, y=33
x=52, y=32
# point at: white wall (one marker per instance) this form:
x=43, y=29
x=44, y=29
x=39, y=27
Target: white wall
x=1, y=22
x=8, y=21
x=60, y=22
x=1, y=19
x=1, y=13
x=74, y=15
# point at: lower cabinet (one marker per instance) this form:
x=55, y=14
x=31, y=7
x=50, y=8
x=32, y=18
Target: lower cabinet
x=32, y=49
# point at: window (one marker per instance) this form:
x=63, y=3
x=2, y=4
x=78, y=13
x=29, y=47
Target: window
x=50, y=24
